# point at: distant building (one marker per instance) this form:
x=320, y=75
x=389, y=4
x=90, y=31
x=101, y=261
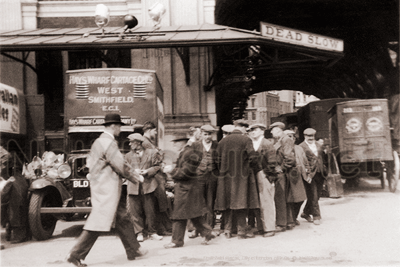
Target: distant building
x=302, y=99
x=262, y=107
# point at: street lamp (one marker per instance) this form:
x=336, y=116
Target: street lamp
x=156, y=13
x=102, y=16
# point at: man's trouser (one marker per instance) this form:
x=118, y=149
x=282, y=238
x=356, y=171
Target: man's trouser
x=142, y=211
x=266, y=191
x=280, y=200
x=239, y=216
x=313, y=192
x=123, y=227
x=179, y=228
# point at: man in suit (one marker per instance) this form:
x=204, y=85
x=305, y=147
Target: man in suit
x=265, y=180
x=141, y=197
x=189, y=203
x=286, y=161
x=314, y=153
x=236, y=188
x=207, y=171
x=106, y=171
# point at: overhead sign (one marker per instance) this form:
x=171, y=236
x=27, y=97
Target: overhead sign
x=292, y=36
x=12, y=110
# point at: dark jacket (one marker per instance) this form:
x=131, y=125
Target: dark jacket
x=198, y=146
x=188, y=201
x=236, y=188
x=150, y=162
x=286, y=157
x=316, y=163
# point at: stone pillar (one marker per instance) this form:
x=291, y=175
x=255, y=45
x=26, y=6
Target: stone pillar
x=29, y=9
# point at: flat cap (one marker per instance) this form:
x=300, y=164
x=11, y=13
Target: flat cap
x=136, y=137
x=228, y=128
x=277, y=124
x=258, y=125
x=207, y=128
x=309, y=131
x=241, y=122
x=289, y=132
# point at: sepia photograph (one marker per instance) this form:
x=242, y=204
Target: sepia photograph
x=199, y=133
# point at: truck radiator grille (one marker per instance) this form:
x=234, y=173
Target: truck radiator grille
x=81, y=91
x=139, y=90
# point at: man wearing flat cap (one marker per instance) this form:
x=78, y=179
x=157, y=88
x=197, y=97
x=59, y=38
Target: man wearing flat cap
x=189, y=203
x=265, y=179
x=164, y=224
x=286, y=162
x=236, y=187
x=141, y=197
x=314, y=153
x=107, y=168
x=207, y=170
x=227, y=129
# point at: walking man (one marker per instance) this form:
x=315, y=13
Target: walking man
x=188, y=201
x=141, y=197
x=314, y=152
x=106, y=169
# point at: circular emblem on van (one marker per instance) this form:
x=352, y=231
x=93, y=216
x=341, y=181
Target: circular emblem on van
x=374, y=124
x=353, y=125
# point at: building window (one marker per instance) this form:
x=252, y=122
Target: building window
x=245, y=116
x=253, y=116
x=253, y=101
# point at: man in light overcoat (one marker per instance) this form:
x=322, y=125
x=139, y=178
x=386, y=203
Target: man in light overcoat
x=107, y=168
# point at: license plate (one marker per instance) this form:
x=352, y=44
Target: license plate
x=80, y=184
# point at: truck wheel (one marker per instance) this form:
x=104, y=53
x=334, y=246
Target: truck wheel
x=393, y=172
x=42, y=225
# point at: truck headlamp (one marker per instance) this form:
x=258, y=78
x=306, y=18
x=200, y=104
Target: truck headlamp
x=64, y=171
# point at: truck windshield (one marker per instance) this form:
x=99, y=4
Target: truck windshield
x=84, y=141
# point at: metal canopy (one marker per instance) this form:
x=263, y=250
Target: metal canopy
x=143, y=37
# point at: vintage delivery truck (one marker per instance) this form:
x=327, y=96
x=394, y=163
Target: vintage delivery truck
x=89, y=95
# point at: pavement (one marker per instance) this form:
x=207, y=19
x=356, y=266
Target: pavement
x=360, y=228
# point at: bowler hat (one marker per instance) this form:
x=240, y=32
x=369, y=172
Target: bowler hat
x=113, y=118
x=136, y=137
x=277, y=124
x=207, y=128
x=309, y=131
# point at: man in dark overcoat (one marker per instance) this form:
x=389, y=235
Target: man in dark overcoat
x=107, y=169
x=314, y=152
x=286, y=163
x=208, y=170
x=188, y=200
x=236, y=188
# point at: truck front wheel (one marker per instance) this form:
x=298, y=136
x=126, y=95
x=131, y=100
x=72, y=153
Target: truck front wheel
x=42, y=225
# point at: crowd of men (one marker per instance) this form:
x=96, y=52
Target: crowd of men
x=249, y=181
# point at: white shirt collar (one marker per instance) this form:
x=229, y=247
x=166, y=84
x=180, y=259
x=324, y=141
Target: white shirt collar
x=313, y=147
x=257, y=143
x=207, y=146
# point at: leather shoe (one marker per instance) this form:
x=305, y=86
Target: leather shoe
x=280, y=229
x=172, y=245
x=269, y=234
x=317, y=222
x=207, y=239
x=246, y=236
x=228, y=235
x=75, y=261
x=290, y=227
x=307, y=217
x=259, y=232
x=193, y=234
x=297, y=222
